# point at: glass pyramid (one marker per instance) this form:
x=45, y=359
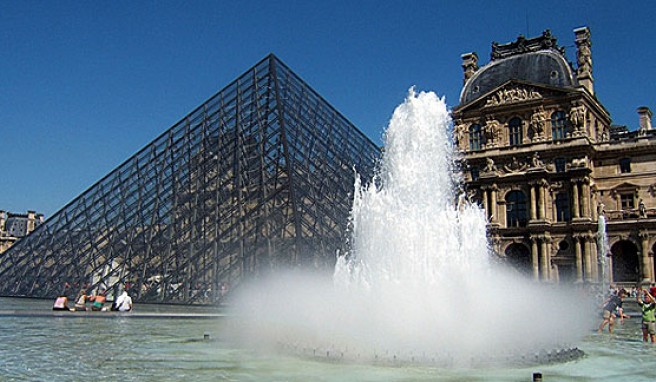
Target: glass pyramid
x=257, y=178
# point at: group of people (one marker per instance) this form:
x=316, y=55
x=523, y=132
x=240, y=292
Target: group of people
x=646, y=300
x=122, y=304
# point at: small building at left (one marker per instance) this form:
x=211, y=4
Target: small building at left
x=14, y=226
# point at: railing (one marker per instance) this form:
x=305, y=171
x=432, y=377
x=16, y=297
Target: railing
x=632, y=214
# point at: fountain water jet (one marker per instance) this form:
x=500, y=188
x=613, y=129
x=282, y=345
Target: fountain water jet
x=417, y=284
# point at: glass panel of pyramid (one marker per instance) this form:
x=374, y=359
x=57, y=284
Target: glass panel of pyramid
x=257, y=178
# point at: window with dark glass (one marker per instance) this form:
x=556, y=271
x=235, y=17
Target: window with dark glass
x=516, y=209
x=560, y=164
x=558, y=125
x=475, y=172
x=475, y=137
x=625, y=165
x=627, y=201
x=515, y=131
x=562, y=207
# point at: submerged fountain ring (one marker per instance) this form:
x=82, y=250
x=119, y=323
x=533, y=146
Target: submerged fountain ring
x=441, y=360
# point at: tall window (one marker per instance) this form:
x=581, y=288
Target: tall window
x=562, y=207
x=558, y=125
x=475, y=173
x=627, y=201
x=475, y=137
x=515, y=131
x=516, y=209
x=625, y=165
x=560, y=164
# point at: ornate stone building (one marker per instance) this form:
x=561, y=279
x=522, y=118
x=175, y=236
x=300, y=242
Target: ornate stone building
x=15, y=226
x=540, y=154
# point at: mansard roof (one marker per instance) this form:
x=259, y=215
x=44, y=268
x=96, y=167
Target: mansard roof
x=511, y=92
x=538, y=60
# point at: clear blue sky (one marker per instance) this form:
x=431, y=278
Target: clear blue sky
x=84, y=85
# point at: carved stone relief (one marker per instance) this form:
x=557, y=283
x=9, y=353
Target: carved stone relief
x=515, y=166
x=580, y=162
x=518, y=94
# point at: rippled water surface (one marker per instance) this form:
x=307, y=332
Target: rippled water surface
x=138, y=349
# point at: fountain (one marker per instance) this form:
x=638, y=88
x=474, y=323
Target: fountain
x=417, y=289
x=602, y=253
x=418, y=284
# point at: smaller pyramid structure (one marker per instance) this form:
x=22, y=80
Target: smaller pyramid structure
x=257, y=178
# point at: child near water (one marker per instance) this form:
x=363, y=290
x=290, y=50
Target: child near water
x=648, y=305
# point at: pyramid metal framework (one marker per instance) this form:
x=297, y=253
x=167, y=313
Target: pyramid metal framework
x=257, y=178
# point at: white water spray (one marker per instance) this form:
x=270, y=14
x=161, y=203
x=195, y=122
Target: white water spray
x=418, y=283
x=602, y=251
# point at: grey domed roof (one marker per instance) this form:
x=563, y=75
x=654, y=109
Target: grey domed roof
x=546, y=66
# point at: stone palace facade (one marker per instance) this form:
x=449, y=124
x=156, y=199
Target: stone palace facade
x=542, y=157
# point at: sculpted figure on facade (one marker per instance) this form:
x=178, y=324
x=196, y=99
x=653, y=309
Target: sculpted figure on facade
x=536, y=162
x=492, y=132
x=577, y=118
x=459, y=134
x=489, y=165
x=537, y=124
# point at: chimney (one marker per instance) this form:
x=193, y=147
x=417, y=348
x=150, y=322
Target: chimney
x=30, y=221
x=469, y=64
x=3, y=220
x=644, y=115
x=584, y=59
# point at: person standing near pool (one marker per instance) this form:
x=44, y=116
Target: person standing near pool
x=648, y=306
x=610, y=305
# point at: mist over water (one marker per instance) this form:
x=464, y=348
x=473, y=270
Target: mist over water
x=418, y=282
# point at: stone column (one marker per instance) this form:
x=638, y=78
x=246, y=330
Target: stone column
x=544, y=260
x=575, y=200
x=587, y=259
x=543, y=199
x=596, y=273
x=485, y=204
x=586, y=198
x=579, y=259
x=644, y=241
x=534, y=258
x=493, y=209
x=533, y=202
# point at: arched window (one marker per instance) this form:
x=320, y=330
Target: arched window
x=558, y=125
x=515, y=131
x=475, y=137
x=562, y=207
x=519, y=257
x=626, y=263
x=516, y=209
